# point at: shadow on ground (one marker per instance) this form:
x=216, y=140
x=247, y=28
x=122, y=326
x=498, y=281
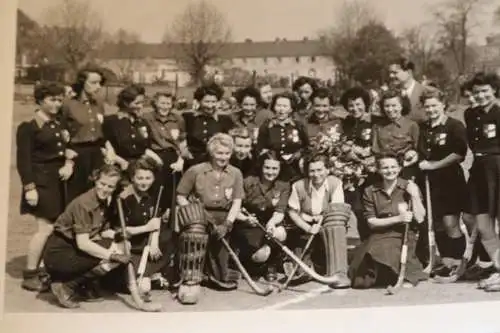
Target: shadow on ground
x=14, y=267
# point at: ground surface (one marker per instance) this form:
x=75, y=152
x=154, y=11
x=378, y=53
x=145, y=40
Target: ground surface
x=308, y=296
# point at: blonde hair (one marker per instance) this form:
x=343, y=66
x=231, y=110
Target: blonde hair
x=220, y=139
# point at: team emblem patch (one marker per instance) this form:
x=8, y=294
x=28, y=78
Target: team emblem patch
x=366, y=134
x=100, y=118
x=65, y=135
x=228, y=192
x=490, y=131
x=144, y=131
x=276, y=198
x=174, y=132
x=440, y=139
x=295, y=136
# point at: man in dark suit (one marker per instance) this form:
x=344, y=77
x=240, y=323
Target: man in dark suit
x=401, y=75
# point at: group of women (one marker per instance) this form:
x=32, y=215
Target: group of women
x=258, y=174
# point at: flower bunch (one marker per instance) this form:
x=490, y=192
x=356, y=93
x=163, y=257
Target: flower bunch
x=349, y=162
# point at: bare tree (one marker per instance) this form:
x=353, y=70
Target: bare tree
x=72, y=33
x=421, y=46
x=351, y=16
x=456, y=21
x=127, y=45
x=198, y=36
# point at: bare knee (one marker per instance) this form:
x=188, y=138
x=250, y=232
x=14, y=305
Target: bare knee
x=452, y=226
x=45, y=228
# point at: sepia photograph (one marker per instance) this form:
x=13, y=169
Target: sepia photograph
x=217, y=155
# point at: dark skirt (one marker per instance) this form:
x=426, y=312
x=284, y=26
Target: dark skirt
x=484, y=186
x=167, y=178
x=382, y=250
x=167, y=247
x=354, y=198
x=64, y=261
x=51, y=192
x=89, y=158
x=448, y=191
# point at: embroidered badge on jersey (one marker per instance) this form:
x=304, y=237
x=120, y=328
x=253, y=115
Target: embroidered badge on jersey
x=366, y=134
x=144, y=131
x=276, y=198
x=440, y=139
x=65, y=136
x=490, y=131
x=228, y=192
x=100, y=118
x=295, y=136
x=174, y=132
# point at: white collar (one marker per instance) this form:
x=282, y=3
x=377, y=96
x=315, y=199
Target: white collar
x=409, y=90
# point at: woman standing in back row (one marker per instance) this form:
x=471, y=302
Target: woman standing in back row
x=83, y=115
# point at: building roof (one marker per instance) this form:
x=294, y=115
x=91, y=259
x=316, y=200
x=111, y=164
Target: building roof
x=247, y=49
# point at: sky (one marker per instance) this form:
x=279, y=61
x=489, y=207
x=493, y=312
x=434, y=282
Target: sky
x=255, y=19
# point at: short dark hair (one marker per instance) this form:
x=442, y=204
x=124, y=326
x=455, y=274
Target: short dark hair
x=466, y=86
x=47, y=89
x=404, y=100
x=128, y=94
x=240, y=132
x=268, y=155
x=403, y=62
x=323, y=93
x=482, y=79
x=313, y=158
x=252, y=92
x=429, y=93
x=288, y=95
x=353, y=94
x=162, y=94
x=83, y=75
x=382, y=156
x=142, y=164
x=302, y=80
x=212, y=89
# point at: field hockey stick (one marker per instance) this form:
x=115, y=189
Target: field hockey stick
x=145, y=252
x=392, y=290
x=302, y=256
x=258, y=290
x=430, y=226
x=132, y=281
x=460, y=271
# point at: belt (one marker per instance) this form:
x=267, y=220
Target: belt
x=311, y=218
x=485, y=154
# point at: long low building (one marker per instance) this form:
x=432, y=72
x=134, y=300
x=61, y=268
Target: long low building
x=147, y=63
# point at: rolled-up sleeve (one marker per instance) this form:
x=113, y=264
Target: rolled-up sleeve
x=368, y=204
x=238, y=191
x=187, y=182
x=293, y=200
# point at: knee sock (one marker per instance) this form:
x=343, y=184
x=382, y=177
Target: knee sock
x=457, y=247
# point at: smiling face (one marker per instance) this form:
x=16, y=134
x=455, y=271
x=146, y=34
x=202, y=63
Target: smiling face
x=282, y=108
x=270, y=170
x=356, y=107
x=321, y=107
x=434, y=108
x=317, y=172
x=393, y=108
x=51, y=105
x=397, y=75
x=242, y=147
x=221, y=156
x=484, y=95
x=209, y=103
x=105, y=186
x=389, y=168
x=142, y=180
x=249, y=106
x=163, y=105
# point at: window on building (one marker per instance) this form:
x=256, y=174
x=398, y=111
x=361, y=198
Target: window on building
x=297, y=59
x=313, y=59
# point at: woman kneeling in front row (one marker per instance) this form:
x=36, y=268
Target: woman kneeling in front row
x=388, y=205
x=83, y=248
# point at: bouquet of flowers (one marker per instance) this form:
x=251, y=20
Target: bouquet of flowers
x=347, y=161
